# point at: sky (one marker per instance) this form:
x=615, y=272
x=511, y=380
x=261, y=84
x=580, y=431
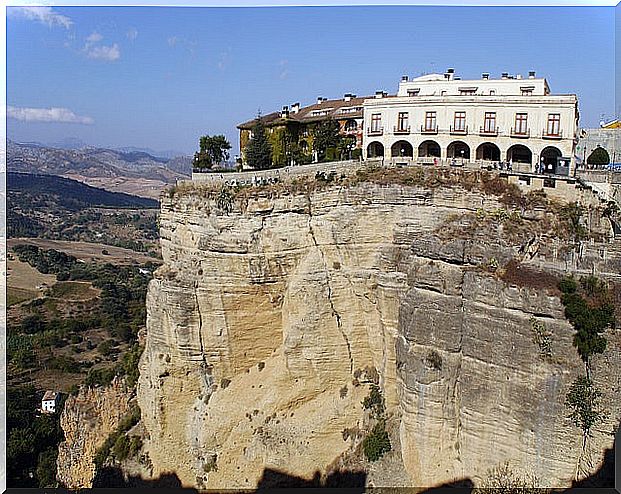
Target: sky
x=160, y=77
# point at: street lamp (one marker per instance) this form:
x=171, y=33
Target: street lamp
x=542, y=167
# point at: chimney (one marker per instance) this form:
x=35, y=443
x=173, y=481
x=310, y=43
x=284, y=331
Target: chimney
x=518, y=76
x=485, y=76
x=450, y=71
x=404, y=78
x=505, y=75
x=531, y=74
x=379, y=94
x=319, y=100
x=295, y=107
x=285, y=112
x=347, y=97
x=353, y=95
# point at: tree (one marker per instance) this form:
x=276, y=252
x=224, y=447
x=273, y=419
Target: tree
x=599, y=156
x=325, y=136
x=258, y=150
x=213, y=151
x=582, y=399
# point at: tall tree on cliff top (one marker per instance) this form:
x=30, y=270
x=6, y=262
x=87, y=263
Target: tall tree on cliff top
x=258, y=151
x=213, y=151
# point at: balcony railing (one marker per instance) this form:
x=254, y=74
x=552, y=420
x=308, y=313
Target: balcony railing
x=488, y=132
x=522, y=133
x=428, y=130
x=401, y=130
x=459, y=130
x=547, y=135
x=375, y=132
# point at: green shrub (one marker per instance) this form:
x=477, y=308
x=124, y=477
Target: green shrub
x=375, y=401
x=568, y=285
x=377, y=443
x=121, y=447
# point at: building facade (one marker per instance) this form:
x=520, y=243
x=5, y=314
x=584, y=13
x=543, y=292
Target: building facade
x=291, y=130
x=49, y=402
x=440, y=116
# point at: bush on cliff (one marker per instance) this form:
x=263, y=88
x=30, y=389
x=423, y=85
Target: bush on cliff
x=377, y=442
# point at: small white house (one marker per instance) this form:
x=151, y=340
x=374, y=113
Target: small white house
x=49, y=401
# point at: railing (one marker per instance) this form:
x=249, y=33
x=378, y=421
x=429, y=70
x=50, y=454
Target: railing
x=375, y=132
x=547, y=135
x=520, y=133
x=459, y=131
x=488, y=132
x=428, y=130
x=401, y=130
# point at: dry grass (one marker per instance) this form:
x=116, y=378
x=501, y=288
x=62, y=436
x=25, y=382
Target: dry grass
x=516, y=273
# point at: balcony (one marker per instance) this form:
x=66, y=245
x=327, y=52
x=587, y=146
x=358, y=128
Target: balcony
x=428, y=130
x=488, y=132
x=461, y=131
x=378, y=131
x=401, y=130
x=547, y=135
x=520, y=133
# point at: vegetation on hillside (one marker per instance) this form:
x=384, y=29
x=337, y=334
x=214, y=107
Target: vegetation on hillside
x=39, y=208
x=69, y=339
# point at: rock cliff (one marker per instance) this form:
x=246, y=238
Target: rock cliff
x=87, y=421
x=270, y=303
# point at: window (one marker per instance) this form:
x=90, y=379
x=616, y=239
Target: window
x=413, y=92
x=554, y=124
x=489, y=123
x=521, y=123
x=492, y=92
x=430, y=120
x=459, y=121
x=442, y=93
x=376, y=122
x=467, y=91
x=527, y=92
x=402, y=121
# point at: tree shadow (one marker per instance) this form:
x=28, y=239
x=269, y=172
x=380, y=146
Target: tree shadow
x=112, y=477
x=276, y=479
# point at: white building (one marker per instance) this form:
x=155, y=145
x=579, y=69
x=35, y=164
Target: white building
x=49, y=401
x=440, y=116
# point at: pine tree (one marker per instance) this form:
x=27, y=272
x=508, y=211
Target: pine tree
x=259, y=150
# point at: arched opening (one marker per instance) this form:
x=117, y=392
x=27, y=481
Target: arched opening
x=458, y=149
x=518, y=153
x=599, y=157
x=549, y=156
x=402, y=149
x=488, y=152
x=429, y=149
x=375, y=150
x=351, y=125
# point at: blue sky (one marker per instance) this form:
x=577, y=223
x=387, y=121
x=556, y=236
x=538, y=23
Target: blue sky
x=160, y=77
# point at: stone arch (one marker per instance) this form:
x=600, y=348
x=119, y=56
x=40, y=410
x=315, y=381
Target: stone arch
x=458, y=149
x=488, y=151
x=518, y=153
x=428, y=149
x=375, y=150
x=402, y=149
x=549, y=156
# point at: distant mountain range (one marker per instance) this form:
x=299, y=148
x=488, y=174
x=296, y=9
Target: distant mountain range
x=131, y=170
x=76, y=143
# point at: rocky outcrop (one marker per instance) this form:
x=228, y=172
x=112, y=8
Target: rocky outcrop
x=87, y=421
x=261, y=319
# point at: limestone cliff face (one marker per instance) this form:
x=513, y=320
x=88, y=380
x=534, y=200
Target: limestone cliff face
x=260, y=319
x=87, y=421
